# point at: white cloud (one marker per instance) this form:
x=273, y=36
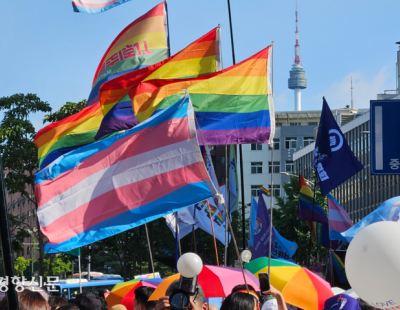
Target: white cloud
x=364, y=89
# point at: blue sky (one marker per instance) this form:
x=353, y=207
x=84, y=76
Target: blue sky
x=49, y=50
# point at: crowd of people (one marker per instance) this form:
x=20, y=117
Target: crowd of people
x=242, y=297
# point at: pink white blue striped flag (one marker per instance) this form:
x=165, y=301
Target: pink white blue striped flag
x=339, y=220
x=95, y=6
x=124, y=181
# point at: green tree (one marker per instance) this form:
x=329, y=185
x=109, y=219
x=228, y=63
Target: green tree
x=289, y=226
x=20, y=265
x=18, y=151
x=68, y=109
x=19, y=231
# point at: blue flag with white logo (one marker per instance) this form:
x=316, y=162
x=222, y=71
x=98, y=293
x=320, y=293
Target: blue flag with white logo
x=261, y=230
x=334, y=162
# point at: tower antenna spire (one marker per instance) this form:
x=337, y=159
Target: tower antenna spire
x=297, y=80
x=352, y=99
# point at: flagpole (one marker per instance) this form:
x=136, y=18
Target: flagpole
x=228, y=203
x=148, y=244
x=240, y=146
x=312, y=222
x=272, y=169
x=213, y=232
x=330, y=248
x=193, y=230
x=80, y=274
x=225, y=209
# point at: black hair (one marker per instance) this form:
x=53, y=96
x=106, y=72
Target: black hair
x=56, y=302
x=69, y=307
x=142, y=295
x=239, y=301
x=200, y=297
x=104, y=304
x=242, y=287
x=364, y=305
x=102, y=292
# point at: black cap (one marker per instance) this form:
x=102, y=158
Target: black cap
x=88, y=301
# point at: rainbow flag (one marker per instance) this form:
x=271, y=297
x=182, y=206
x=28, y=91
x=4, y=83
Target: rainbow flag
x=207, y=210
x=306, y=211
x=319, y=234
x=142, y=43
x=68, y=134
x=199, y=58
x=265, y=191
x=146, y=32
x=338, y=265
x=121, y=182
x=95, y=6
x=232, y=106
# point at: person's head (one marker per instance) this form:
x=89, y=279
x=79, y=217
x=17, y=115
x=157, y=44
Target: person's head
x=69, y=307
x=342, y=302
x=364, y=305
x=29, y=300
x=88, y=301
x=103, y=293
x=198, y=298
x=241, y=300
x=142, y=295
x=118, y=307
x=242, y=287
x=56, y=302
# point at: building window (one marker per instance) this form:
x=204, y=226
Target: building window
x=27, y=250
x=291, y=143
x=295, y=124
x=289, y=166
x=256, y=167
x=276, y=144
x=312, y=123
x=278, y=124
x=308, y=140
x=223, y=160
x=256, y=147
x=276, y=191
x=255, y=190
x=276, y=168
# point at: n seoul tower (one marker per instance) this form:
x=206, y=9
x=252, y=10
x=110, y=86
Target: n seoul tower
x=297, y=80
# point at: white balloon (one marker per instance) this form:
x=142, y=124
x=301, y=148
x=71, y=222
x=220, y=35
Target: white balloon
x=189, y=265
x=373, y=265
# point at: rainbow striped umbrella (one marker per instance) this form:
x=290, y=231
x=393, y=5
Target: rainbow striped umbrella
x=300, y=287
x=124, y=293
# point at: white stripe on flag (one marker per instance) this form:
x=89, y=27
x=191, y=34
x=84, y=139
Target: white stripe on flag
x=125, y=172
x=334, y=215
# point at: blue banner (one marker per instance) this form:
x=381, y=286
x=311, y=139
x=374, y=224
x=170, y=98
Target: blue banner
x=334, y=162
x=283, y=248
x=261, y=230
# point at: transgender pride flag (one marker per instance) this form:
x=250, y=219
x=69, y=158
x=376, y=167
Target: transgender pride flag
x=339, y=220
x=95, y=6
x=123, y=181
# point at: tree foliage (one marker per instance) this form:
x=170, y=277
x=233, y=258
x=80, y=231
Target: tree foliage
x=289, y=226
x=20, y=265
x=18, y=151
x=19, y=232
x=66, y=110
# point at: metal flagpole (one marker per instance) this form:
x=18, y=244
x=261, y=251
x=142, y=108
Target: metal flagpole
x=12, y=296
x=80, y=273
x=194, y=231
x=272, y=169
x=213, y=232
x=240, y=146
x=148, y=244
x=312, y=222
x=225, y=209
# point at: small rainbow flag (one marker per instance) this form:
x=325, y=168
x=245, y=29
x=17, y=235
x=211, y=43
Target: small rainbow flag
x=265, y=191
x=339, y=267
